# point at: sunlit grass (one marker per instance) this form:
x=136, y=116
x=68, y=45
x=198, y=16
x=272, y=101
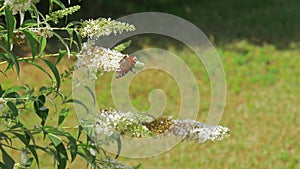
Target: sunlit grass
x=262, y=108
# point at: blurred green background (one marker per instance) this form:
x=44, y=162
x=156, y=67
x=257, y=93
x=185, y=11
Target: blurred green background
x=259, y=45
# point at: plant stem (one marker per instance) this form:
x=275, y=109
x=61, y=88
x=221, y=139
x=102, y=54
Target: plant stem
x=35, y=130
x=13, y=99
x=10, y=147
x=40, y=28
x=30, y=57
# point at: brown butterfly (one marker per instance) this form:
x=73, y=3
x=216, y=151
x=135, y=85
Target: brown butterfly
x=126, y=65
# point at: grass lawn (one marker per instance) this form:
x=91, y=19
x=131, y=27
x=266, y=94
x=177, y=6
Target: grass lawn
x=261, y=109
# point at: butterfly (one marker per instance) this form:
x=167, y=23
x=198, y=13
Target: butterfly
x=126, y=65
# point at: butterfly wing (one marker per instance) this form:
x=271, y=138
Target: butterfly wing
x=126, y=65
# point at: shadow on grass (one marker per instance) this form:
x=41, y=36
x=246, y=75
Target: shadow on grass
x=275, y=22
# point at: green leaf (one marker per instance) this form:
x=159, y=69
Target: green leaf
x=2, y=56
x=40, y=110
x=74, y=23
x=60, y=56
x=40, y=67
x=6, y=138
x=10, y=65
x=43, y=88
x=29, y=135
x=29, y=23
x=54, y=130
x=43, y=114
x=3, y=166
x=11, y=25
x=1, y=90
x=32, y=149
x=2, y=27
x=16, y=126
x=79, y=38
x=62, y=115
x=41, y=101
x=122, y=46
x=73, y=146
x=90, y=158
x=62, y=156
x=23, y=138
x=77, y=102
x=79, y=132
x=43, y=43
x=13, y=108
x=13, y=59
x=33, y=39
x=54, y=71
x=59, y=3
x=50, y=6
x=54, y=139
x=7, y=159
x=12, y=95
x=70, y=31
x=12, y=89
x=44, y=149
x=62, y=41
x=44, y=133
x=138, y=166
x=29, y=162
x=119, y=145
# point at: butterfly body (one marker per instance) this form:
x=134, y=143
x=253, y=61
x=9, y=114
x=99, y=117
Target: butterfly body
x=126, y=65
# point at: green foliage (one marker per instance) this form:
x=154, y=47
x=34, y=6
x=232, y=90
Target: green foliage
x=121, y=47
x=40, y=106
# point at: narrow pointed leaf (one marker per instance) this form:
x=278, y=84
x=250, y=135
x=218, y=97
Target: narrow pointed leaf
x=62, y=156
x=59, y=3
x=79, y=132
x=119, y=146
x=29, y=162
x=62, y=53
x=77, y=102
x=43, y=43
x=40, y=67
x=73, y=146
x=54, y=71
x=32, y=38
x=3, y=166
x=23, y=138
x=40, y=110
x=13, y=59
x=13, y=89
x=6, y=138
x=7, y=159
x=63, y=42
x=122, y=46
x=32, y=149
x=70, y=31
x=11, y=25
x=50, y=6
x=29, y=135
x=13, y=108
x=62, y=115
x=54, y=139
